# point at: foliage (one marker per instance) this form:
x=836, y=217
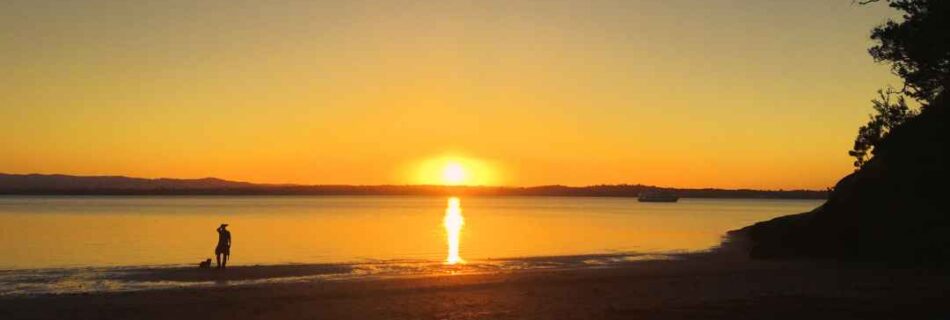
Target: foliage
x=918, y=50
x=890, y=114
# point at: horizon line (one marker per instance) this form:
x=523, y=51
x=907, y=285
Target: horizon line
x=394, y=184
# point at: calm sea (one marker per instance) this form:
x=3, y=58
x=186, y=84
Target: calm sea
x=53, y=232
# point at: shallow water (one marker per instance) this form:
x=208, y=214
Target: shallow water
x=96, y=231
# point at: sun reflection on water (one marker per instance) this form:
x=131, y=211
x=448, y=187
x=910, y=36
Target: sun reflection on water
x=453, y=223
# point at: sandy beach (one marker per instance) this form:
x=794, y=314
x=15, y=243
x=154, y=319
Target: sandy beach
x=698, y=286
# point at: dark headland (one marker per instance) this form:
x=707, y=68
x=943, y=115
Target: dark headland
x=893, y=208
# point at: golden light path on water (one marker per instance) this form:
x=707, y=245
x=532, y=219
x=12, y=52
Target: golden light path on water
x=453, y=223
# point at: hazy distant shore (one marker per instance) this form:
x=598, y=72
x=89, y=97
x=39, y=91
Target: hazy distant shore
x=35, y=184
x=707, y=286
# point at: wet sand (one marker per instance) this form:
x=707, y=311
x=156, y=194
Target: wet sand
x=705, y=286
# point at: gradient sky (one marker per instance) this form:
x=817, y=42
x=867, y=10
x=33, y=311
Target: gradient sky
x=724, y=93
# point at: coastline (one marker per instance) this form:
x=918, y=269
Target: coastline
x=720, y=284
x=112, y=279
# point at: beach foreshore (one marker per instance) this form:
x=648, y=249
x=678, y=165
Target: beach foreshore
x=695, y=286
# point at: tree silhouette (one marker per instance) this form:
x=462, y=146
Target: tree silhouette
x=918, y=50
x=890, y=114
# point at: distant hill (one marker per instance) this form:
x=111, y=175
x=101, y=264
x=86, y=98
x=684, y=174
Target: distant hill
x=38, y=184
x=14, y=183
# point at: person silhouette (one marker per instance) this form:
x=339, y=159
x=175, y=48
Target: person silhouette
x=223, y=250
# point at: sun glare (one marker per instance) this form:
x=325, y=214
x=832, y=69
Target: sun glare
x=453, y=174
x=453, y=223
x=455, y=171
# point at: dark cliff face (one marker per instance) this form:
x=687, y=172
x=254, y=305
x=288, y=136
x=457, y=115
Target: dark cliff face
x=893, y=209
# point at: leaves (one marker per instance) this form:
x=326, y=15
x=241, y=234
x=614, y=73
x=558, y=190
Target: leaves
x=918, y=50
x=891, y=113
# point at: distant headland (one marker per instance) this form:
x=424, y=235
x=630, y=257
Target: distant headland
x=57, y=184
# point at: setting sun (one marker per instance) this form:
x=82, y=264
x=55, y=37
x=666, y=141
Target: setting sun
x=453, y=174
x=456, y=171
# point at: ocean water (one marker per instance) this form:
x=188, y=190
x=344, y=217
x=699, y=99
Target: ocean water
x=48, y=238
x=43, y=232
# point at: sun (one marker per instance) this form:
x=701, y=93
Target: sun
x=453, y=170
x=454, y=173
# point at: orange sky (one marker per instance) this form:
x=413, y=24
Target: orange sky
x=730, y=93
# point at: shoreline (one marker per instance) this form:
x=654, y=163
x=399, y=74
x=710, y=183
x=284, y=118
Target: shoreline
x=109, y=279
x=717, y=285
